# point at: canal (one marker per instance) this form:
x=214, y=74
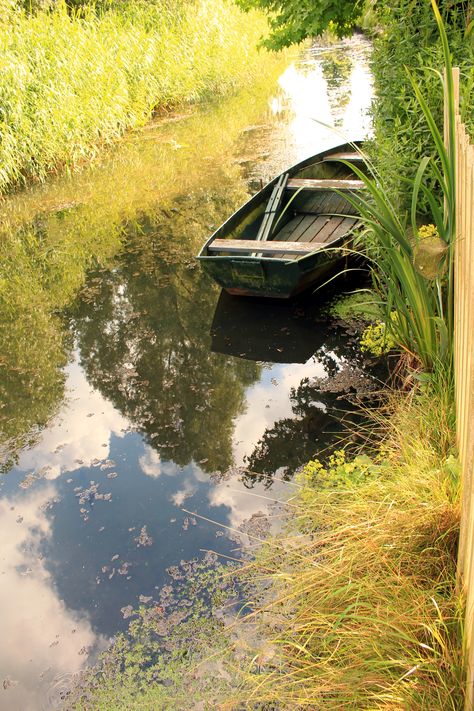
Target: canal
x=137, y=402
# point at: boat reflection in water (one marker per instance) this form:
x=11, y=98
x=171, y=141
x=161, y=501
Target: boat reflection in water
x=260, y=330
x=312, y=379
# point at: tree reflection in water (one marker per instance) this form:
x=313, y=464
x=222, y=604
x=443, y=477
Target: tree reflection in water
x=291, y=333
x=318, y=422
x=143, y=335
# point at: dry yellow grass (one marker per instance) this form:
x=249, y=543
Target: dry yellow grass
x=362, y=612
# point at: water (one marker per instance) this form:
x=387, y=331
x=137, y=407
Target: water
x=138, y=402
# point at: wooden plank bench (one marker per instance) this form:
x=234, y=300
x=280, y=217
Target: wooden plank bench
x=240, y=246
x=313, y=184
x=350, y=157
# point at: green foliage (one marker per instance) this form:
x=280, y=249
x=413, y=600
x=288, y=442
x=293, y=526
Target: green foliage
x=417, y=288
x=410, y=40
x=293, y=21
x=422, y=326
x=71, y=83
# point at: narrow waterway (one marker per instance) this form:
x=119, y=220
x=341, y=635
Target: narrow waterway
x=136, y=400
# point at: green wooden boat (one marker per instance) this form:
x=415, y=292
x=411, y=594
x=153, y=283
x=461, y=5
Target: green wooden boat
x=292, y=233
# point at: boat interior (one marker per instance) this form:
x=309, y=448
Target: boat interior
x=302, y=214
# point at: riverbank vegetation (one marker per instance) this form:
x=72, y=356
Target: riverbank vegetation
x=74, y=79
x=362, y=611
x=409, y=41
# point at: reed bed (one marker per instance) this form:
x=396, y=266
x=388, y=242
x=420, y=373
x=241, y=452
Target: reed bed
x=72, y=81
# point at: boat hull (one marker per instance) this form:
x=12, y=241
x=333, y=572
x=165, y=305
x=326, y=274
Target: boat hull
x=270, y=278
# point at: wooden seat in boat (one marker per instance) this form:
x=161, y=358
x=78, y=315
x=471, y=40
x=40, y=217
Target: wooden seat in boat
x=301, y=235
x=312, y=184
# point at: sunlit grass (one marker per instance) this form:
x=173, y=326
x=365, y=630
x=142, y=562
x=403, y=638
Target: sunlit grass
x=362, y=612
x=71, y=83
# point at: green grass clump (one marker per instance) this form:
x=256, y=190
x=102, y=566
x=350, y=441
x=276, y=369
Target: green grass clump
x=71, y=82
x=361, y=611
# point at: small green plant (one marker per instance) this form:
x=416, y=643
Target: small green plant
x=339, y=471
x=360, y=306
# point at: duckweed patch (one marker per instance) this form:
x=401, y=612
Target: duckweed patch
x=357, y=308
x=176, y=647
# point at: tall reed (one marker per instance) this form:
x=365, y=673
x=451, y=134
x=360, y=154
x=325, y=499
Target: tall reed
x=71, y=81
x=414, y=275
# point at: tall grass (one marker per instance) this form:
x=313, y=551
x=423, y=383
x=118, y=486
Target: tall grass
x=361, y=612
x=72, y=81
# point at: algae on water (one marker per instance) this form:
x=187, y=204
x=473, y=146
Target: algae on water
x=359, y=306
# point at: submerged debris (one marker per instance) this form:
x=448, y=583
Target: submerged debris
x=144, y=539
x=127, y=612
x=145, y=599
x=87, y=496
x=349, y=379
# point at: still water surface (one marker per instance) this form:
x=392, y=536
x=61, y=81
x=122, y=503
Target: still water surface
x=132, y=389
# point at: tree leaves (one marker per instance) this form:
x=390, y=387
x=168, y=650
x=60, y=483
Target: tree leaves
x=292, y=21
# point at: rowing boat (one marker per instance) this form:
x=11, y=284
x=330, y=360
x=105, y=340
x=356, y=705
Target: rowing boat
x=290, y=234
